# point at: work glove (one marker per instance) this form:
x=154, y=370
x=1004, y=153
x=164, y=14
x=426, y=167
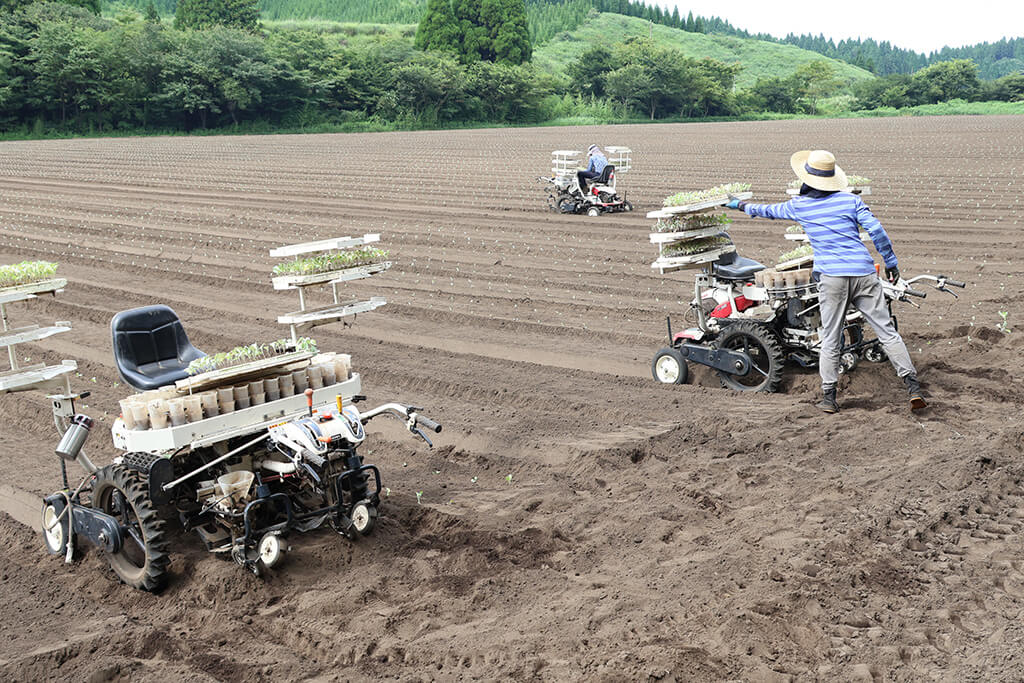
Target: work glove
x=892, y=274
x=735, y=204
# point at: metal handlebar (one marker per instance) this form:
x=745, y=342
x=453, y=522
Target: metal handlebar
x=914, y=292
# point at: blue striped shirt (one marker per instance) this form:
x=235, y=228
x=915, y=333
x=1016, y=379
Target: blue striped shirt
x=597, y=163
x=830, y=223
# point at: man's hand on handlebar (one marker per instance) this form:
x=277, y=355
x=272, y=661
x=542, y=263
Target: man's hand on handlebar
x=892, y=274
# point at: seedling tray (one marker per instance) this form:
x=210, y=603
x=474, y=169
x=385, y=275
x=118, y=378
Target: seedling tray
x=229, y=425
x=327, y=277
x=324, y=245
x=669, y=211
x=795, y=263
x=31, y=333
x=671, y=263
x=231, y=375
x=669, y=237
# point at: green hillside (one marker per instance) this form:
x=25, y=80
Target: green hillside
x=760, y=59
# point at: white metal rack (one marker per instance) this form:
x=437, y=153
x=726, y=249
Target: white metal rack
x=306, y=318
x=666, y=263
x=52, y=378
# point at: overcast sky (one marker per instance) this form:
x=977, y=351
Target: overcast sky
x=912, y=24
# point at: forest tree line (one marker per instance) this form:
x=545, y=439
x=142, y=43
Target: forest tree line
x=62, y=67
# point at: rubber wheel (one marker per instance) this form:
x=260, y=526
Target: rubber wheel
x=626, y=206
x=271, y=550
x=848, y=362
x=669, y=366
x=364, y=518
x=567, y=206
x=142, y=560
x=875, y=354
x=766, y=357
x=593, y=212
x=55, y=536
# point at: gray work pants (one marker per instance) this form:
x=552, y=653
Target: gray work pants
x=864, y=293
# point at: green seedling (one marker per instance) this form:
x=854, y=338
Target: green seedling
x=718, y=192
x=327, y=262
x=799, y=252
x=248, y=353
x=419, y=495
x=688, y=223
x=698, y=246
x=508, y=478
x=26, y=272
x=1004, y=326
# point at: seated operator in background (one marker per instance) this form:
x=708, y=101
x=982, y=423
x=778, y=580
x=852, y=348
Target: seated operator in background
x=595, y=166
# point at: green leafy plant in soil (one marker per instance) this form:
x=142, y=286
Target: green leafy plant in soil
x=795, y=230
x=26, y=272
x=698, y=246
x=248, y=353
x=689, y=223
x=327, y=262
x=717, y=192
x=799, y=252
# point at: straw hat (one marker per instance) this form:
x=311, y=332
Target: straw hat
x=592, y=149
x=818, y=169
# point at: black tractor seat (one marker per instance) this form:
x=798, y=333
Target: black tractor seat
x=733, y=267
x=151, y=349
x=605, y=177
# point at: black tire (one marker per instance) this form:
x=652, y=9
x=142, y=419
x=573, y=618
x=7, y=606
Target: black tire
x=669, y=367
x=567, y=205
x=626, y=206
x=766, y=356
x=142, y=560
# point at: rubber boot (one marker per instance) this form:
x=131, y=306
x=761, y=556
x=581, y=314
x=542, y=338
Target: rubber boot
x=917, y=401
x=828, y=402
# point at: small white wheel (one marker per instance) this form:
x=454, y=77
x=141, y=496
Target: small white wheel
x=271, y=550
x=364, y=518
x=875, y=354
x=54, y=533
x=593, y=212
x=669, y=367
x=847, y=363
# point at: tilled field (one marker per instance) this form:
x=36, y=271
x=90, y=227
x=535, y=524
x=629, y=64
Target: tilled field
x=576, y=520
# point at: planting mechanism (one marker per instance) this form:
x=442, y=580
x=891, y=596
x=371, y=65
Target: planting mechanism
x=602, y=196
x=262, y=444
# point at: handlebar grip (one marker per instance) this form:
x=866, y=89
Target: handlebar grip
x=429, y=424
x=956, y=283
x=914, y=292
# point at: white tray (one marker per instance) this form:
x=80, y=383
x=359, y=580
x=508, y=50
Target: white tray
x=669, y=237
x=794, y=263
x=340, y=275
x=324, y=245
x=37, y=377
x=229, y=375
x=222, y=427
x=31, y=290
x=671, y=263
x=670, y=211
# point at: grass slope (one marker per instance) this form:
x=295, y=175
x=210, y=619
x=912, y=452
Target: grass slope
x=760, y=59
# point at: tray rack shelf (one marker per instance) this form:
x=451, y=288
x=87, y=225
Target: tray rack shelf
x=666, y=263
x=306, y=318
x=51, y=378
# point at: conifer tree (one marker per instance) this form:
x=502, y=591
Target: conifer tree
x=507, y=31
x=438, y=29
x=200, y=14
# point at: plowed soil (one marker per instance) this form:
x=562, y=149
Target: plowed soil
x=575, y=521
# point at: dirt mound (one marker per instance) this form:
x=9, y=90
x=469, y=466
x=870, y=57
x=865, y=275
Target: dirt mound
x=576, y=521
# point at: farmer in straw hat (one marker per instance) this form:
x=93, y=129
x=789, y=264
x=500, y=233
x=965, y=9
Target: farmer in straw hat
x=830, y=217
x=596, y=162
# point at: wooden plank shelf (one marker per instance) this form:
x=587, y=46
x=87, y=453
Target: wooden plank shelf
x=668, y=264
x=329, y=277
x=37, y=377
x=697, y=207
x=312, y=317
x=32, y=333
x=324, y=245
x=31, y=290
